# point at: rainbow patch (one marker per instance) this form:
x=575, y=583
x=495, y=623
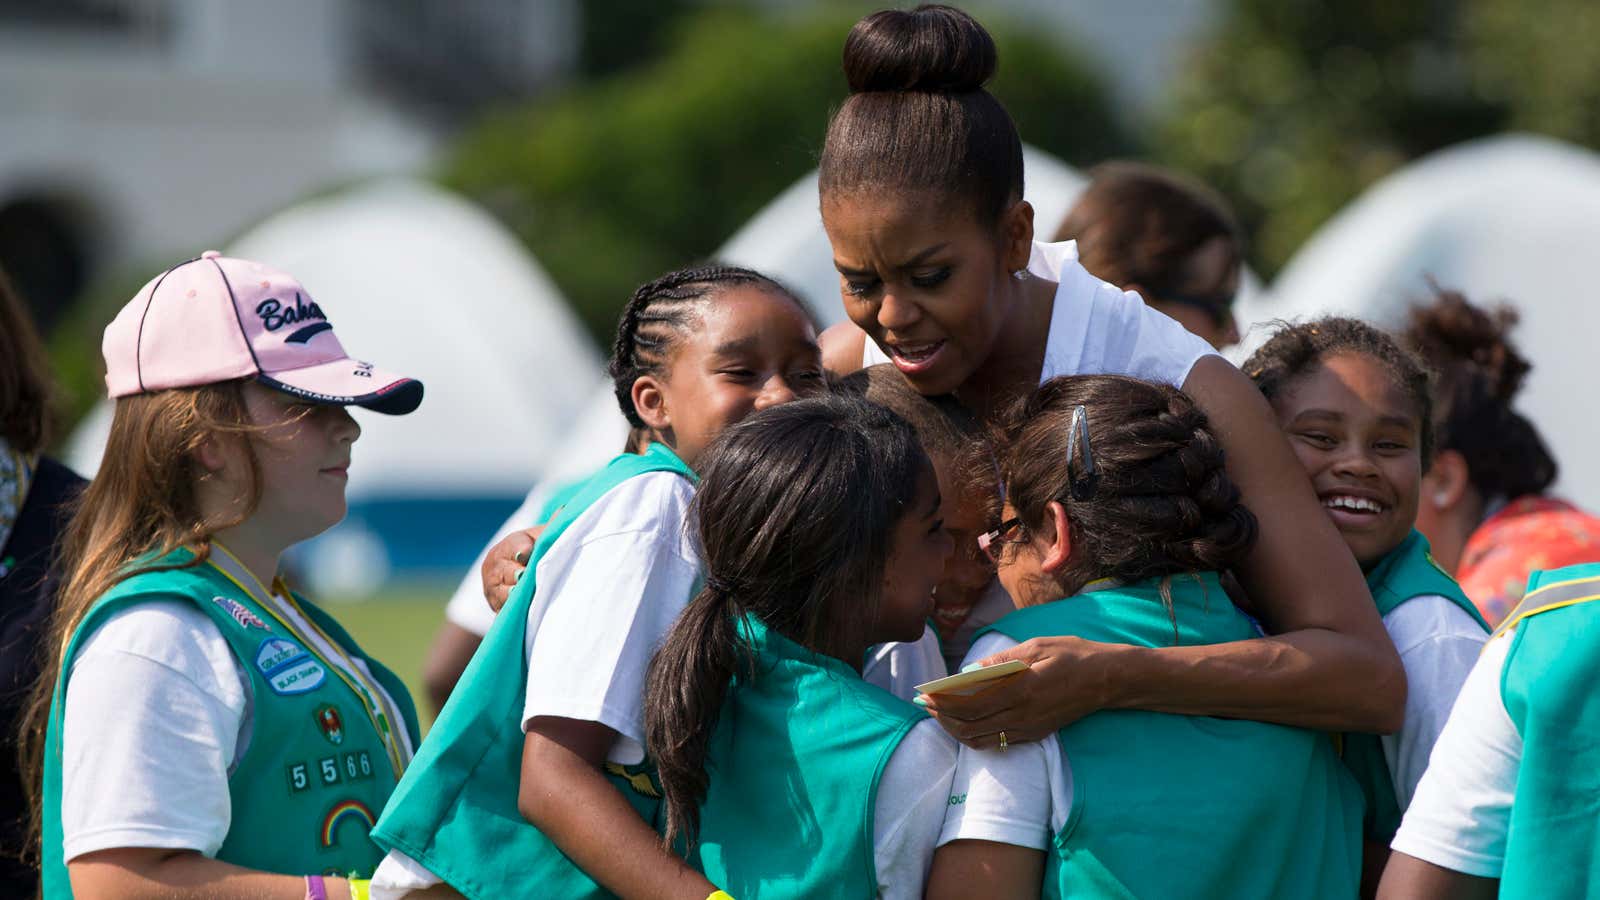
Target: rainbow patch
x=349, y=809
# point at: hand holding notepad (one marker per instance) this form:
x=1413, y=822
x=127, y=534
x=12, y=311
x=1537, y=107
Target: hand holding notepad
x=971, y=681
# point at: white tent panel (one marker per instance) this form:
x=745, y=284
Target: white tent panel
x=424, y=283
x=1513, y=218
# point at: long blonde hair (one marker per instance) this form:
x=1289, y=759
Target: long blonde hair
x=144, y=499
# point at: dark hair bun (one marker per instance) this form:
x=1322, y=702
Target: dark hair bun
x=931, y=49
x=1451, y=331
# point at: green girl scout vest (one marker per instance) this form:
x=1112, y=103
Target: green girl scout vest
x=1551, y=688
x=794, y=767
x=455, y=811
x=1407, y=572
x=324, y=756
x=1169, y=805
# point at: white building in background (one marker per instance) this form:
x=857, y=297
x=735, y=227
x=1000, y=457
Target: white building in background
x=134, y=131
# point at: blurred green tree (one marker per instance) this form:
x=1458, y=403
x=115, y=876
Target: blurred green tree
x=1294, y=106
x=616, y=180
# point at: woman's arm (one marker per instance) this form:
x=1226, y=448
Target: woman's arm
x=567, y=797
x=1328, y=664
x=842, y=347
x=135, y=873
x=1409, y=878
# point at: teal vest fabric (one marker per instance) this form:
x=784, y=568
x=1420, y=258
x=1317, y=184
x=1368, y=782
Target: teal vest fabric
x=794, y=767
x=1407, y=572
x=1551, y=688
x=304, y=794
x=1169, y=805
x=455, y=811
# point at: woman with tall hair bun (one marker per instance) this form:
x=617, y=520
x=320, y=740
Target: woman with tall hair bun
x=921, y=188
x=1167, y=238
x=1484, y=504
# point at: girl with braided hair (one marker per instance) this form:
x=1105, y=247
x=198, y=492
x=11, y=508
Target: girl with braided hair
x=1118, y=515
x=565, y=805
x=1356, y=408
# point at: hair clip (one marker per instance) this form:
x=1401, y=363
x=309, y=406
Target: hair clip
x=1088, y=477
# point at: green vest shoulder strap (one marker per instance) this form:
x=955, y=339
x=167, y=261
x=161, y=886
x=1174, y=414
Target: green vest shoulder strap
x=1237, y=808
x=1548, y=686
x=455, y=811
x=794, y=763
x=1409, y=571
x=301, y=802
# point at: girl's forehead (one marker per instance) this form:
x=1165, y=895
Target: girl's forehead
x=1350, y=378
x=750, y=315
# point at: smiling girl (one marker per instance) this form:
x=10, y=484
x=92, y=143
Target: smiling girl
x=202, y=730
x=534, y=780
x=1357, y=410
x=921, y=188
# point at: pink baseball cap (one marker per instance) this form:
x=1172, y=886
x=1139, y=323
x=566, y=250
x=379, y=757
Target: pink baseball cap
x=214, y=319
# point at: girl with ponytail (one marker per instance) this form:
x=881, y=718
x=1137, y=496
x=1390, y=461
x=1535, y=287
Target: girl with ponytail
x=787, y=775
x=534, y=780
x=1118, y=517
x=921, y=187
x=1484, y=503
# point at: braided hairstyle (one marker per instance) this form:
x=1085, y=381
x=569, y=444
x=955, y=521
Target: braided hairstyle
x=1296, y=349
x=1480, y=374
x=1161, y=503
x=662, y=311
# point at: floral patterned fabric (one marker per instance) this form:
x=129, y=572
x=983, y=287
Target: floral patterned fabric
x=1529, y=534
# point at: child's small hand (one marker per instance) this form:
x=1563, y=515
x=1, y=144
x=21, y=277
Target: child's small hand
x=504, y=564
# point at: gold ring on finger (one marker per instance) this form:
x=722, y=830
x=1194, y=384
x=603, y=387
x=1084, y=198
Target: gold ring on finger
x=1002, y=742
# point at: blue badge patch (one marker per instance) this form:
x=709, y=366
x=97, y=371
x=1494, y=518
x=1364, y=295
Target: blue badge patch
x=288, y=667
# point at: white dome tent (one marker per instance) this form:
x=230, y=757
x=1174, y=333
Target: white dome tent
x=1513, y=218
x=429, y=285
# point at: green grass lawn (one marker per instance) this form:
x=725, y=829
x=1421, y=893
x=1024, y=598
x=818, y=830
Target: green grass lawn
x=396, y=628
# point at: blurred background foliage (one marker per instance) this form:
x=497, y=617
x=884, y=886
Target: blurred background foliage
x=617, y=179
x=1293, y=107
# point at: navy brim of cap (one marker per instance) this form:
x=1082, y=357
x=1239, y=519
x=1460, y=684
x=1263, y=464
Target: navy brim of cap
x=396, y=398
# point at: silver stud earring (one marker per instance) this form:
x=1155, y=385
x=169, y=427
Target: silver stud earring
x=1020, y=274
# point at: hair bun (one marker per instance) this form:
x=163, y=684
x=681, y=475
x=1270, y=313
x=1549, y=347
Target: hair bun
x=931, y=49
x=1451, y=332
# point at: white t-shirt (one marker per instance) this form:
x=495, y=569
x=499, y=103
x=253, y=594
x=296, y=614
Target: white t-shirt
x=157, y=715
x=1099, y=329
x=1461, y=812
x=1020, y=796
x=1438, y=644
x=594, y=625
x=898, y=667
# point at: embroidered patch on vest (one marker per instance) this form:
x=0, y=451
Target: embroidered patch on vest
x=288, y=667
x=342, y=812
x=237, y=611
x=330, y=723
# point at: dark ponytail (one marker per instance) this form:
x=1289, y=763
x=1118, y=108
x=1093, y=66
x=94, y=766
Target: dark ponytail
x=794, y=514
x=1160, y=502
x=1480, y=375
x=659, y=313
x=918, y=117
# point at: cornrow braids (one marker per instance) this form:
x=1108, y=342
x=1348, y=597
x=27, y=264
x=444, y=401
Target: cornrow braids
x=1295, y=349
x=1161, y=504
x=659, y=313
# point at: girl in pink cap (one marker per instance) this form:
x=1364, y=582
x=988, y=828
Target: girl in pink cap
x=201, y=730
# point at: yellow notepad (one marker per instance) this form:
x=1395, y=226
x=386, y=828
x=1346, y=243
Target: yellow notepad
x=971, y=681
